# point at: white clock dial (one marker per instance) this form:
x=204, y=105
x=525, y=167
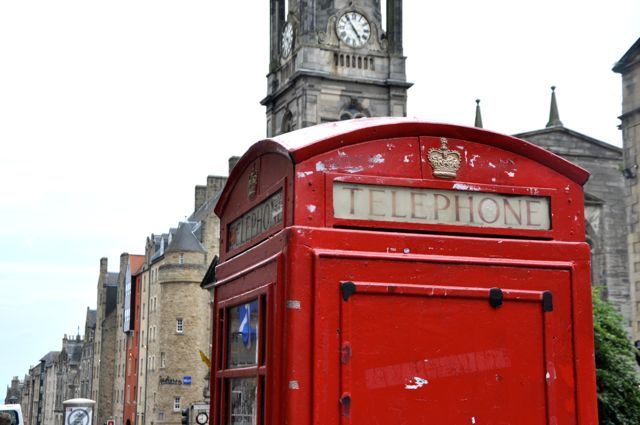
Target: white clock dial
x=287, y=40
x=353, y=29
x=202, y=418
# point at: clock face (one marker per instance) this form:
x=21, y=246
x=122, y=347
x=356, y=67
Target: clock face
x=353, y=29
x=287, y=40
x=78, y=416
x=202, y=418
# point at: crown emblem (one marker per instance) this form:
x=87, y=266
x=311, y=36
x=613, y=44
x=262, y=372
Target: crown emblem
x=445, y=162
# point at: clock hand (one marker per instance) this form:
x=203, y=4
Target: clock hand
x=353, y=27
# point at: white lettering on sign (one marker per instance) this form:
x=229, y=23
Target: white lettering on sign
x=256, y=221
x=432, y=206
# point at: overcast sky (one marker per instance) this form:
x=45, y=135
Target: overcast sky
x=111, y=112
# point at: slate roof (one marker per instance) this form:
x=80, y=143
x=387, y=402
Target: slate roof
x=112, y=279
x=210, y=276
x=160, y=242
x=573, y=133
x=112, y=294
x=184, y=240
x=628, y=58
x=75, y=352
x=50, y=357
x=90, y=320
x=205, y=209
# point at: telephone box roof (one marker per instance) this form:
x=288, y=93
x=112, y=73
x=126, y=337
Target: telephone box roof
x=308, y=142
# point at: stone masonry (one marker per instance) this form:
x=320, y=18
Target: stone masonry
x=629, y=68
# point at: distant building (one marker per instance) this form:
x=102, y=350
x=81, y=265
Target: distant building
x=14, y=391
x=604, y=194
x=132, y=329
x=86, y=362
x=105, y=345
x=321, y=71
x=124, y=334
x=49, y=372
x=629, y=68
x=175, y=312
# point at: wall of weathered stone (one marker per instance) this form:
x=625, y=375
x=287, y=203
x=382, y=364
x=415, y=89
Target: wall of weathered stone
x=605, y=193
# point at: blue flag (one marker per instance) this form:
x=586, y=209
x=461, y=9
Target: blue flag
x=245, y=324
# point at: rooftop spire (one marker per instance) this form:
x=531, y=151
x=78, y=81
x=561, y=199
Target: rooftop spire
x=478, y=122
x=554, y=116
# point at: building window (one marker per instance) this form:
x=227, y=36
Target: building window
x=161, y=415
x=176, y=404
x=163, y=360
x=181, y=259
x=179, y=326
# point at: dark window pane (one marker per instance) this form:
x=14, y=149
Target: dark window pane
x=243, y=335
x=242, y=402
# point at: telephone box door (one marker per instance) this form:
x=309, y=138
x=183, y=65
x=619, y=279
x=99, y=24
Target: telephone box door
x=444, y=343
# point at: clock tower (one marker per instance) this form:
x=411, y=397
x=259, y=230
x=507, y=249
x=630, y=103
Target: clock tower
x=332, y=60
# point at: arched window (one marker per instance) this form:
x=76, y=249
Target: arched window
x=353, y=109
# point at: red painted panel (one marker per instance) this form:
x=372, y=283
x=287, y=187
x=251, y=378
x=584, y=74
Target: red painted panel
x=416, y=339
x=414, y=345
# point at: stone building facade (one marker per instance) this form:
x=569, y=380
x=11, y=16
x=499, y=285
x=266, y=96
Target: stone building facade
x=629, y=68
x=56, y=378
x=14, y=391
x=86, y=362
x=604, y=193
x=49, y=373
x=331, y=60
x=103, y=376
x=175, y=313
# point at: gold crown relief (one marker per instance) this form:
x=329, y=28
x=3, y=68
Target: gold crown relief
x=445, y=162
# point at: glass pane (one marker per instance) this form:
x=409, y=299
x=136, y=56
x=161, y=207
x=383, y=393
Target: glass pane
x=243, y=335
x=242, y=401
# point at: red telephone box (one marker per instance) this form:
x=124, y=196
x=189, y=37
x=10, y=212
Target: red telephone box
x=391, y=271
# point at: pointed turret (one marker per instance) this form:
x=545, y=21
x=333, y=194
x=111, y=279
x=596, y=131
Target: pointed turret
x=184, y=240
x=478, y=122
x=554, y=116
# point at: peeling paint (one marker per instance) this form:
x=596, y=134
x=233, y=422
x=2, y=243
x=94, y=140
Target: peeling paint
x=406, y=250
x=473, y=160
x=511, y=173
x=473, y=419
x=406, y=159
x=376, y=159
x=462, y=186
x=294, y=385
x=492, y=165
x=353, y=170
x=417, y=383
x=341, y=153
x=293, y=304
x=303, y=174
x=320, y=166
x=311, y=208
